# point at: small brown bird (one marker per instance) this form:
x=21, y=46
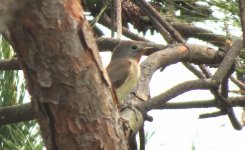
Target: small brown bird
x=124, y=70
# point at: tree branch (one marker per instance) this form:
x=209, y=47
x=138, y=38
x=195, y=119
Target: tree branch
x=106, y=21
x=118, y=14
x=12, y=64
x=235, y=102
x=170, y=32
x=157, y=101
x=16, y=113
x=228, y=61
x=154, y=14
x=213, y=114
x=24, y=112
x=172, y=55
x=104, y=44
x=222, y=74
x=237, y=82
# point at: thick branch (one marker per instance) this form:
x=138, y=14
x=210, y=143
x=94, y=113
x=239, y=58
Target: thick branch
x=16, y=113
x=172, y=55
x=12, y=64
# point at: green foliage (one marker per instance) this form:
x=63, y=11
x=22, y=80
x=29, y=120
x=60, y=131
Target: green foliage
x=19, y=136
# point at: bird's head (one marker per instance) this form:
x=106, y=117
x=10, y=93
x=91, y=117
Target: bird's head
x=129, y=50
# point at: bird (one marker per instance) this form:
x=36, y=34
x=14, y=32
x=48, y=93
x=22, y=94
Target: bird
x=124, y=69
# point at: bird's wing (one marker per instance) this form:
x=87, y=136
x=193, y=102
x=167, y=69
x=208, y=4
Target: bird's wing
x=118, y=72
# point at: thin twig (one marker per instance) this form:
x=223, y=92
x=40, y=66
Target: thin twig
x=194, y=70
x=106, y=21
x=213, y=114
x=165, y=34
x=152, y=12
x=205, y=71
x=118, y=15
x=235, y=102
x=237, y=82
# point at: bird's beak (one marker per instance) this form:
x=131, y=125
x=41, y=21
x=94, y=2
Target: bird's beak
x=144, y=49
x=141, y=52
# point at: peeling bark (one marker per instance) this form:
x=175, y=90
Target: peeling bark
x=71, y=93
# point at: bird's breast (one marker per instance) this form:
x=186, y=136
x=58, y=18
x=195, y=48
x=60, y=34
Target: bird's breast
x=131, y=80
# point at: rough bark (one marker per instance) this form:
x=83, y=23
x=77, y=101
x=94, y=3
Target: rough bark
x=69, y=89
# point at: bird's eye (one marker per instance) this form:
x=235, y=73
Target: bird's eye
x=134, y=47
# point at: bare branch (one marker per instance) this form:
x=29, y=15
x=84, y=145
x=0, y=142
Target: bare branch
x=213, y=114
x=179, y=89
x=228, y=61
x=104, y=44
x=174, y=35
x=107, y=44
x=172, y=55
x=190, y=104
x=106, y=21
x=235, y=102
x=17, y=113
x=24, y=112
x=237, y=82
x=206, y=72
x=234, y=121
x=165, y=34
x=153, y=13
x=118, y=14
x=194, y=70
x=224, y=92
x=189, y=30
x=12, y=64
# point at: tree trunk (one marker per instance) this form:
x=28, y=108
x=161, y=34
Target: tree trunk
x=69, y=87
